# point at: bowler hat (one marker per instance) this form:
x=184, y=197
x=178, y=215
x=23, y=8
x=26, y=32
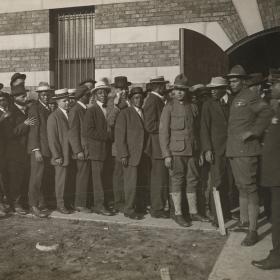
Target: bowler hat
x=217, y=82
x=136, y=90
x=256, y=79
x=181, y=82
x=100, y=85
x=17, y=76
x=60, y=94
x=158, y=80
x=81, y=91
x=87, y=81
x=121, y=82
x=18, y=90
x=237, y=71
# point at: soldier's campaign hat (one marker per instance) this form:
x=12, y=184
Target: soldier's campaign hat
x=60, y=94
x=19, y=90
x=81, y=91
x=158, y=80
x=217, y=82
x=87, y=81
x=256, y=79
x=200, y=89
x=181, y=82
x=121, y=82
x=17, y=76
x=136, y=90
x=237, y=71
x=100, y=85
x=71, y=93
x=42, y=88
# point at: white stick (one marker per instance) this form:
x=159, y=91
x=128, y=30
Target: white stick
x=219, y=211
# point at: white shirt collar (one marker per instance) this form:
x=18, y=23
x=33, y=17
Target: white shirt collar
x=139, y=111
x=158, y=95
x=44, y=105
x=3, y=110
x=64, y=112
x=82, y=104
x=20, y=107
x=225, y=98
x=101, y=107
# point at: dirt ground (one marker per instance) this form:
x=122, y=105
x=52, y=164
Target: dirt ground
x=90, y=250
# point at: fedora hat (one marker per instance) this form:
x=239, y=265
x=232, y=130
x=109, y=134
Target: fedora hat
x=217, y=82
x=17, y=76
x=158, y=80
x=43, y=88
x=60, y=94
x=18, y=90
x=256, y=79
x=198, y=87
x=81, y=91
x=136, y=90
x=100, y=85
x=121, y=82
x=237, y=71
x=181, y=82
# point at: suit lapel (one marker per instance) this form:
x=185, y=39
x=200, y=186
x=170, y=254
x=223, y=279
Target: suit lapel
x=136, y=116
x=219, y=109
x=62, y=116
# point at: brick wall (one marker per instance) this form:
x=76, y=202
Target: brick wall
x=270, y=12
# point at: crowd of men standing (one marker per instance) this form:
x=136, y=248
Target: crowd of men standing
x=117, y=148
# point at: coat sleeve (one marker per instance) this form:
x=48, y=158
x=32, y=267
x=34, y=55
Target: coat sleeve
x=34, y=131
x=121, y=135
x=53, y=139
x=75, y=131
x=151, y=120
x=205, y=128
x=164, y=131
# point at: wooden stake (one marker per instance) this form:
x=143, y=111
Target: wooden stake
x=219, y=211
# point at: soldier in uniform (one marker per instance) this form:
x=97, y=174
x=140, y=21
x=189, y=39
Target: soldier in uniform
x=249, y=117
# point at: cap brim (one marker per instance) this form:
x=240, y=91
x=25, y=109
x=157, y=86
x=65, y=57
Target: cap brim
x=106, y=88
x=60, y=97
x=216, y=86
x=229, y=76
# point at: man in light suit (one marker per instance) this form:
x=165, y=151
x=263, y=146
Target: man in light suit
x=130, y=138
x=58, y=137
x=78, y=145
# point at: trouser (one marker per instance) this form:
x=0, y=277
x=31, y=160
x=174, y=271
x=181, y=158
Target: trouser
x=118, y=184
x=60, y=184
x=40, y=178
x=158, y=185
x=245, y=173
x=97, y=183
x=3, y=181
x=18, y=179
x=275, y=210
x=82, y=182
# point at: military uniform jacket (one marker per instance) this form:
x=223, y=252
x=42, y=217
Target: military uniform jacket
x=57, y=127
x=178, y=131
x=76, y=139
x=248, y=112
x=37, y=138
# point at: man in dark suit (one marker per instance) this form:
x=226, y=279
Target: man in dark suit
x=130, y=138
x=98, y=143
x=78, y=145
x=213, y=138
x=38, y=148
x=16, y=129
x=58, y=137
x=249, y=117
x=159, y=174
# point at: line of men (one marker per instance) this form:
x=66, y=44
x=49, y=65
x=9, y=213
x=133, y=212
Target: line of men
x=158, y=140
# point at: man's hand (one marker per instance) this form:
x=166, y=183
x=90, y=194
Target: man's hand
x=168, y=162
x=38, y=156
x=246, y=135
x=209, y=156
x=124, y=161
x=81, y=156
x=59, y=161
x=31, y=121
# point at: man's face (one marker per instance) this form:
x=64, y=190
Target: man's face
x=63, y=103
x=137, y=100
x=44, y=97
x=18, y=82
x=275, y=90
x=3, y=102
x=21, y=99
x=179, y=94
x=123, y=92
x=101, y=95
x=236, y=85
x=218, y=93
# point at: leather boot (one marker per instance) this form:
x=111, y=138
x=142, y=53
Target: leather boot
x=251, y=238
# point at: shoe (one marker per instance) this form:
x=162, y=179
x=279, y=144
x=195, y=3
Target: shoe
x=82, y=210
x=134, y=216
x=160, y=214
x=38, y=213
x=251, y=238
x=103, y=212
x=271, y=262
x=63, y=210
x=199, y=218
x=179, y=219
x=21, y=211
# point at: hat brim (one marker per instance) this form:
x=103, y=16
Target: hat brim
x=216, y=86
x=117, y=86
x=229, y=76
x=48, y=90
x=159, y=82
x=61, y=96
x=180, y=87
x=103, y=87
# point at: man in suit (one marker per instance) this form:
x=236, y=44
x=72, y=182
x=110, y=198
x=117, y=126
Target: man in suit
x=213, y=138
x=270, y=176
x=98, y=143
x=249, y=117
x=40, y=154
x=58, y=138
x=16, y=129
x=78, y=145
x=178, y=138
x=130, y=138
x=159, y=174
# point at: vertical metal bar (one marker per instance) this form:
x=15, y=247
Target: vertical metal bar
x=69, y=51
x=63, y=48
x=80, y=42
x=86, y=44
x=75, y=54
x=92, y=45
x=58, y=35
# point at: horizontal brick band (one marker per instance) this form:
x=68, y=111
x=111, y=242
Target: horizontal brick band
x=150, y=54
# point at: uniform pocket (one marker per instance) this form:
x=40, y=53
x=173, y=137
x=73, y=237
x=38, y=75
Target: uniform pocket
x=177, y=144
x=177, y=123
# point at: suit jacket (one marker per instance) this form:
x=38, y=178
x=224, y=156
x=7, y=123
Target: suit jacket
x=248, y=113
x=2, y=142
x=152, y=112
x=96, y=133
x=76, y=120
x=38, y=138
x=214, y=127
x=16, y=133
x=58, y=129
x=130, y=136
x=178, y=133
